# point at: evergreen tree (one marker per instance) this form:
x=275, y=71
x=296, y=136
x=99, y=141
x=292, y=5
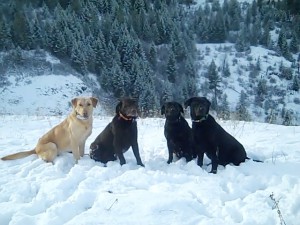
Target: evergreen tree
x=294, y=44
x=178, y=46
x=241, y=108
x=21, y=30
x=5, y=37
x=36, y=38
x=265, y=39
x=255, y=33
x=296, y=84
x=261, y=92
x=189, y=81
x=171, y=68
x=152, y=55
x=226, y=70
x=234, y=12
x=59, y=45
x=217, y=28
x=214, y=81
x=282, y=43
x=224, y=111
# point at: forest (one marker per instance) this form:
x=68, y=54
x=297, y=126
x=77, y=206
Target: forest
x=147, y=48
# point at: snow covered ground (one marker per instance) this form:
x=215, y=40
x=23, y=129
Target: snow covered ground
x=34, y=192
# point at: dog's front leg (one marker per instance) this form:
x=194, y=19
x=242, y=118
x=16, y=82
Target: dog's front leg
x=76, y=151
x=136, y=152
x=119, y=151
x=214, y=162
x=200, y=158
x=81, y=149
x=170, y=150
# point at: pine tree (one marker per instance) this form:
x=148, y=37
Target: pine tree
x=21, y=30
x=36, y=38
x=265, y=39
x=5, y=36
x=283, y=45
x=224, y=111
x=255, y=33
x=241, y=108
x=152, y=55
x=59, y=46
x=294, y=44
x=226, y=70
x=261, y=92
x=171, y=68
x=296, y=84
x=217, y=27
x=214, y=81
x=234, y=12
x=178, y=46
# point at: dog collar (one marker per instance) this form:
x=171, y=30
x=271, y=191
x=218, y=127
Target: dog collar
x=126, y=118
x=201, y=120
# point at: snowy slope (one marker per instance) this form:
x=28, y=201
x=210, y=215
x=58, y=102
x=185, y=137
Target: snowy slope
x=34, y=192
x=41, y=95
x=46, y=93
x=239, y=80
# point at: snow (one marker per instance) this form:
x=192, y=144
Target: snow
x=34, y=95
x=35, y=192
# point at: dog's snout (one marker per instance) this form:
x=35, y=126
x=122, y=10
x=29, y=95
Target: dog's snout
x=85, y=114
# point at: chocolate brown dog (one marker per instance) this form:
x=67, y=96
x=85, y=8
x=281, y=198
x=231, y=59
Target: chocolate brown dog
x=119, y=135
x=211, y=138
x=177, y=132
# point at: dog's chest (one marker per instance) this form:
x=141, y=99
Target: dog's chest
x=81, y=132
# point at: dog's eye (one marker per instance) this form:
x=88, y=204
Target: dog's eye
x=80, y=105
x=89, y=104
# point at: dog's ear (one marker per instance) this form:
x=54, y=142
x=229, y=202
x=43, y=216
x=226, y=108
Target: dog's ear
x=180, y=107
x=94, y=101
x=74, y=101
x=163, y=109
x=208, y=103
x=118, y=107
x=188, y=102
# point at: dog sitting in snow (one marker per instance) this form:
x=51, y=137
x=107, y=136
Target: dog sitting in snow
x=71, y=134
x=177, y=132
x=211, y=138
x=119, y=135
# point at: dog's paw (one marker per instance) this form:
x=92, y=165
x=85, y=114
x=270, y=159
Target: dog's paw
x=94, y=146
x=141, y=164
x=213, y=171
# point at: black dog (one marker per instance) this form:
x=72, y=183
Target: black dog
x=211, y=138
x=119, y=135
x=177, y=132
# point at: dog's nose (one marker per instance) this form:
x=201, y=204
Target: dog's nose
x=85, y=114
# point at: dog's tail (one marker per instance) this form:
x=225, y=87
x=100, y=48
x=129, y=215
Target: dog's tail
x=255, y=160
x=19, y=155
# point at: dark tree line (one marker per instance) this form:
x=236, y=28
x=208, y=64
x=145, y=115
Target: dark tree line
x=135, y=47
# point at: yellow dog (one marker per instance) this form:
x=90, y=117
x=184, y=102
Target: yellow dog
x=69, y=135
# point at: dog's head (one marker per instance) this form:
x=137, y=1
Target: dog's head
x=127, y=108
x=199, y=107
x=83, y=107
x=172, y=110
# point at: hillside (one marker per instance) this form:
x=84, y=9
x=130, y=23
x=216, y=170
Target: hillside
x=240, y=54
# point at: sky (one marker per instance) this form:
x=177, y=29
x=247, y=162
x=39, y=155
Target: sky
x=35, y=192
